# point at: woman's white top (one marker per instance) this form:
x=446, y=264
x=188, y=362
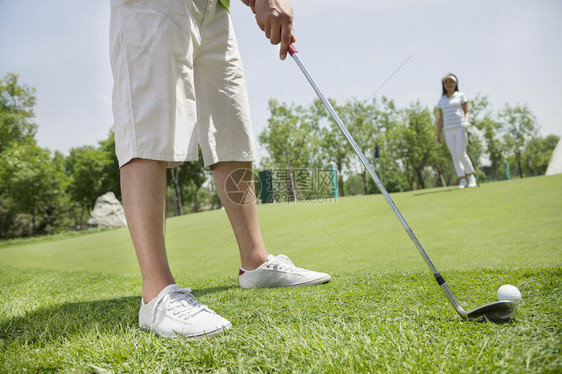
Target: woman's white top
x=453, y=114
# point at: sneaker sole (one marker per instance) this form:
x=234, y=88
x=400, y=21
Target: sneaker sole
x=309, y=283
x=177, y=335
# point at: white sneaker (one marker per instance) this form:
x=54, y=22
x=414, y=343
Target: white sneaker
x=462, y=183
x=176, y=312
x=280, y=272
x=471, y=181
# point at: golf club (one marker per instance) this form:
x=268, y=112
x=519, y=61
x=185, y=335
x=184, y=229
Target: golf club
x=500, y=311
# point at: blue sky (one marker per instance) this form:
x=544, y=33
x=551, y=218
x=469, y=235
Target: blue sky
x=508, y=50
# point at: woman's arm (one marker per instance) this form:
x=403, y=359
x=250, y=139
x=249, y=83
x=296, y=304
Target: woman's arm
x=439, y=126
x=466, y=113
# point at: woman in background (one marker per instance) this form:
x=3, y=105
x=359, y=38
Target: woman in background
x=453, y=120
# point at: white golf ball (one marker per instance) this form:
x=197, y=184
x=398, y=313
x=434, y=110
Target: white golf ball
x=509, y=293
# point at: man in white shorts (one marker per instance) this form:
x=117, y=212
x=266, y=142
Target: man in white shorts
x=179, y=83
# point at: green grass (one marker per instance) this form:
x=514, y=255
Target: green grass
x=70, y=304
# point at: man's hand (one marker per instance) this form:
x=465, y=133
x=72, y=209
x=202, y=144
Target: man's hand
x=251, y=4
x=275, y=18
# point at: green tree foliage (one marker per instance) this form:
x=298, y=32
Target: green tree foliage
x=388, y=165
x=360, y=120
x=410, y=156
x=521, y=127
x=485, y=140
x=290, y=140
x=33, y=183
x=186, y=181
x=111, y=180
x=494, y=147
x=333, y=146
x=537, y=154
x=85, y=168
x=354, y=185
x=416, y=144
x=16, y=113
x=372, y=124
x=289, y=136
x=39, y=192
x=196, y=175
x=475, y=147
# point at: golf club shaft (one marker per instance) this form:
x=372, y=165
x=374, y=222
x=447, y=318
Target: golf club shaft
x=293, y=52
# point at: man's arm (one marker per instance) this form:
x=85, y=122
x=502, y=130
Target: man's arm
x=275, y=18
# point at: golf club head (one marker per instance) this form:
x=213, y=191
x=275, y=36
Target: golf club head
x=498, y=312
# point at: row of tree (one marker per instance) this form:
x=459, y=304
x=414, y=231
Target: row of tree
x=401, y=143
x=42, y=192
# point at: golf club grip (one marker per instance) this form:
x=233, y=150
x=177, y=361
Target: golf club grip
x=292, y=49
x=293, y=52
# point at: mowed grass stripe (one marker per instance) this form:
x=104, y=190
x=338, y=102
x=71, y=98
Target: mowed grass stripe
x=507, y=224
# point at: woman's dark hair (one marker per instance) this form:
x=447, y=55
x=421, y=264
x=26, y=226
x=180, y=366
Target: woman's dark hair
x=456, y=85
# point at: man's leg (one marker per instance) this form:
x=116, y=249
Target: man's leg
x=143, y=186
x=241, y=211
x=167, y=309
x=235, y=186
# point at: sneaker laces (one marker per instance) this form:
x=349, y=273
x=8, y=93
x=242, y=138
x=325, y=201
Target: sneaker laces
x=282, y=262
x=180, y=303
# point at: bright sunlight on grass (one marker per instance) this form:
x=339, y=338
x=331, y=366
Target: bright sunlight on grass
x=70, y=303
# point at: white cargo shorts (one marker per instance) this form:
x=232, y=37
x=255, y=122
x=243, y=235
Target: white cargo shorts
x=178, y=82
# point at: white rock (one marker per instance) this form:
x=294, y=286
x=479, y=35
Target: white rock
x=108, y=212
